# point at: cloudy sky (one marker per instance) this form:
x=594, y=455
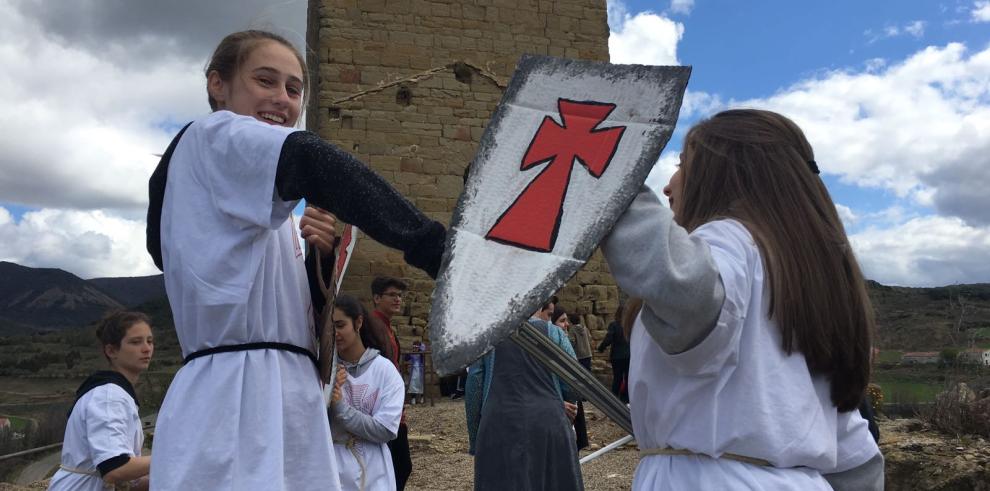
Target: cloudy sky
x=895, y=100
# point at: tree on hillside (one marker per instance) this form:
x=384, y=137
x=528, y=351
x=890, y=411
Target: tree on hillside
x=72, y=359
x=947, y=357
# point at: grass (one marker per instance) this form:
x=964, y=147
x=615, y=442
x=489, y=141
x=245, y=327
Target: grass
x=889, y=356
x=910, y=385
x=17, y=423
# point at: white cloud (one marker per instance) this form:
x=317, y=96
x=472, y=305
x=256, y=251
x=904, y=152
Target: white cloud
x=681, y=6
x=981, y=11
x=93, y=90
x=925, y=251
x=645, y=38
x=919, y=128
x=81, y=129
x=700, y=104
x=87, y=243
x=847, y=215
x=915, y=28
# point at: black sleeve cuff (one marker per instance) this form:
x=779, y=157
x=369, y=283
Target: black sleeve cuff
x=112, y=463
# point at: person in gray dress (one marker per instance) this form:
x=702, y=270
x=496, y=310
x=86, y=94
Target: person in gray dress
x=520, y=435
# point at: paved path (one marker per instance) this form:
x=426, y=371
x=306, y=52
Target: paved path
x=47, y=465
x=40, y=469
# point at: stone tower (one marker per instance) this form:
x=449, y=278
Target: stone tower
x=408, y=86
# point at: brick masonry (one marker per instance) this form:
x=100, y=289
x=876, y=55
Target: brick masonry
x=408, y=87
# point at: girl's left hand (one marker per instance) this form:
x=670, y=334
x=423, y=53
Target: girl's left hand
x=341, y=378
x=317, y=227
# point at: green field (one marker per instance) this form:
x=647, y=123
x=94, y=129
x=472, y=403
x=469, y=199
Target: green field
x=891, y=357
x=17, y=423
x=905, y=390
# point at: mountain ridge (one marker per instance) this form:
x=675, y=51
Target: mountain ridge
x=37, y=299
x=908, y=318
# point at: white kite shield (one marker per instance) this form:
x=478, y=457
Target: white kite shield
x=562, y=157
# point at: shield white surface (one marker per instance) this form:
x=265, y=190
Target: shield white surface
x=562, y=157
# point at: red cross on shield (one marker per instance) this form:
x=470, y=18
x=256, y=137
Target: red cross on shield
x=533, y=219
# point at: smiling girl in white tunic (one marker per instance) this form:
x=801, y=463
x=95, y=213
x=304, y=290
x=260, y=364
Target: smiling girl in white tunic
x=366, y=401
x=246, y=411
x=751, y=352
x=103, y=436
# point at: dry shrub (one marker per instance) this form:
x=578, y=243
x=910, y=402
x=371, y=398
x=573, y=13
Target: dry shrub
x=959, y=411
x=875, y=397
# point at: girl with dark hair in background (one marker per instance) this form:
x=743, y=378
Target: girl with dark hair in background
x=367, y=399
x=103, y=436
x=751, y=351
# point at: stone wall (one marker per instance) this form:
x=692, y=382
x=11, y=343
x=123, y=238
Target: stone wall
x=408, y=87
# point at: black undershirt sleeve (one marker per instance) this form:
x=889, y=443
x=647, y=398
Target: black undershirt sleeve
x=311, y=168
x=112, y=463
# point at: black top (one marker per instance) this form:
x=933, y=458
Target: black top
x=617, y=340
x=104, y=377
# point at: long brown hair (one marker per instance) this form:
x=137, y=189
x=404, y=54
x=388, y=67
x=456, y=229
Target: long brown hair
x=235, y=48
x=757, y=167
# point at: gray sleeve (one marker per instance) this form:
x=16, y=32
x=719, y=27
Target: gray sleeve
x=361, y=425
x=653, y=258
x=867, y=477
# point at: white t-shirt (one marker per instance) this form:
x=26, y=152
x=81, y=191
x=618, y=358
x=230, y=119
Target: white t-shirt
x=104, y=423
x=737, y=392
x=234, y=273
x=378, y=392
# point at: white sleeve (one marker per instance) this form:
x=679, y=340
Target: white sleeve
x=108, y=414
x=389, y=409
x=239, y=165
x=382, y=424
x=854, y=443
x=653, y=258
x=734, y=253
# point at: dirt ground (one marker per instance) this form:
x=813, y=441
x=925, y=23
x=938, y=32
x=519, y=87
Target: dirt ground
x=438, y=442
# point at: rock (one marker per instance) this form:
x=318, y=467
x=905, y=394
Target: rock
x=919, y=458
x=961, y=393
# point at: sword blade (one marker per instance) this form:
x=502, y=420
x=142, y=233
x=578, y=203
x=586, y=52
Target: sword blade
x=606, y=449
x=572, y=373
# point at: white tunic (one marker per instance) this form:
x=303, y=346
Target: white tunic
x=737, y=392
x=234, y=273
x=104, y=424
x=377, y=391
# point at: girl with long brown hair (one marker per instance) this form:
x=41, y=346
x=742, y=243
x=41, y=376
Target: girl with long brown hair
x=750, y=353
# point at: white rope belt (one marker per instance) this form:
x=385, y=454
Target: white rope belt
x=645, y=452
x=76, y=470
x=351, y=444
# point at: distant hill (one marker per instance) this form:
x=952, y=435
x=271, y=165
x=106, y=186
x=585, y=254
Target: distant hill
x=909, y=319
x=919, y=319
x=47, y=298
x=132, y=291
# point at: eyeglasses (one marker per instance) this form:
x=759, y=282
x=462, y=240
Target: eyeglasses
x=397, y=295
